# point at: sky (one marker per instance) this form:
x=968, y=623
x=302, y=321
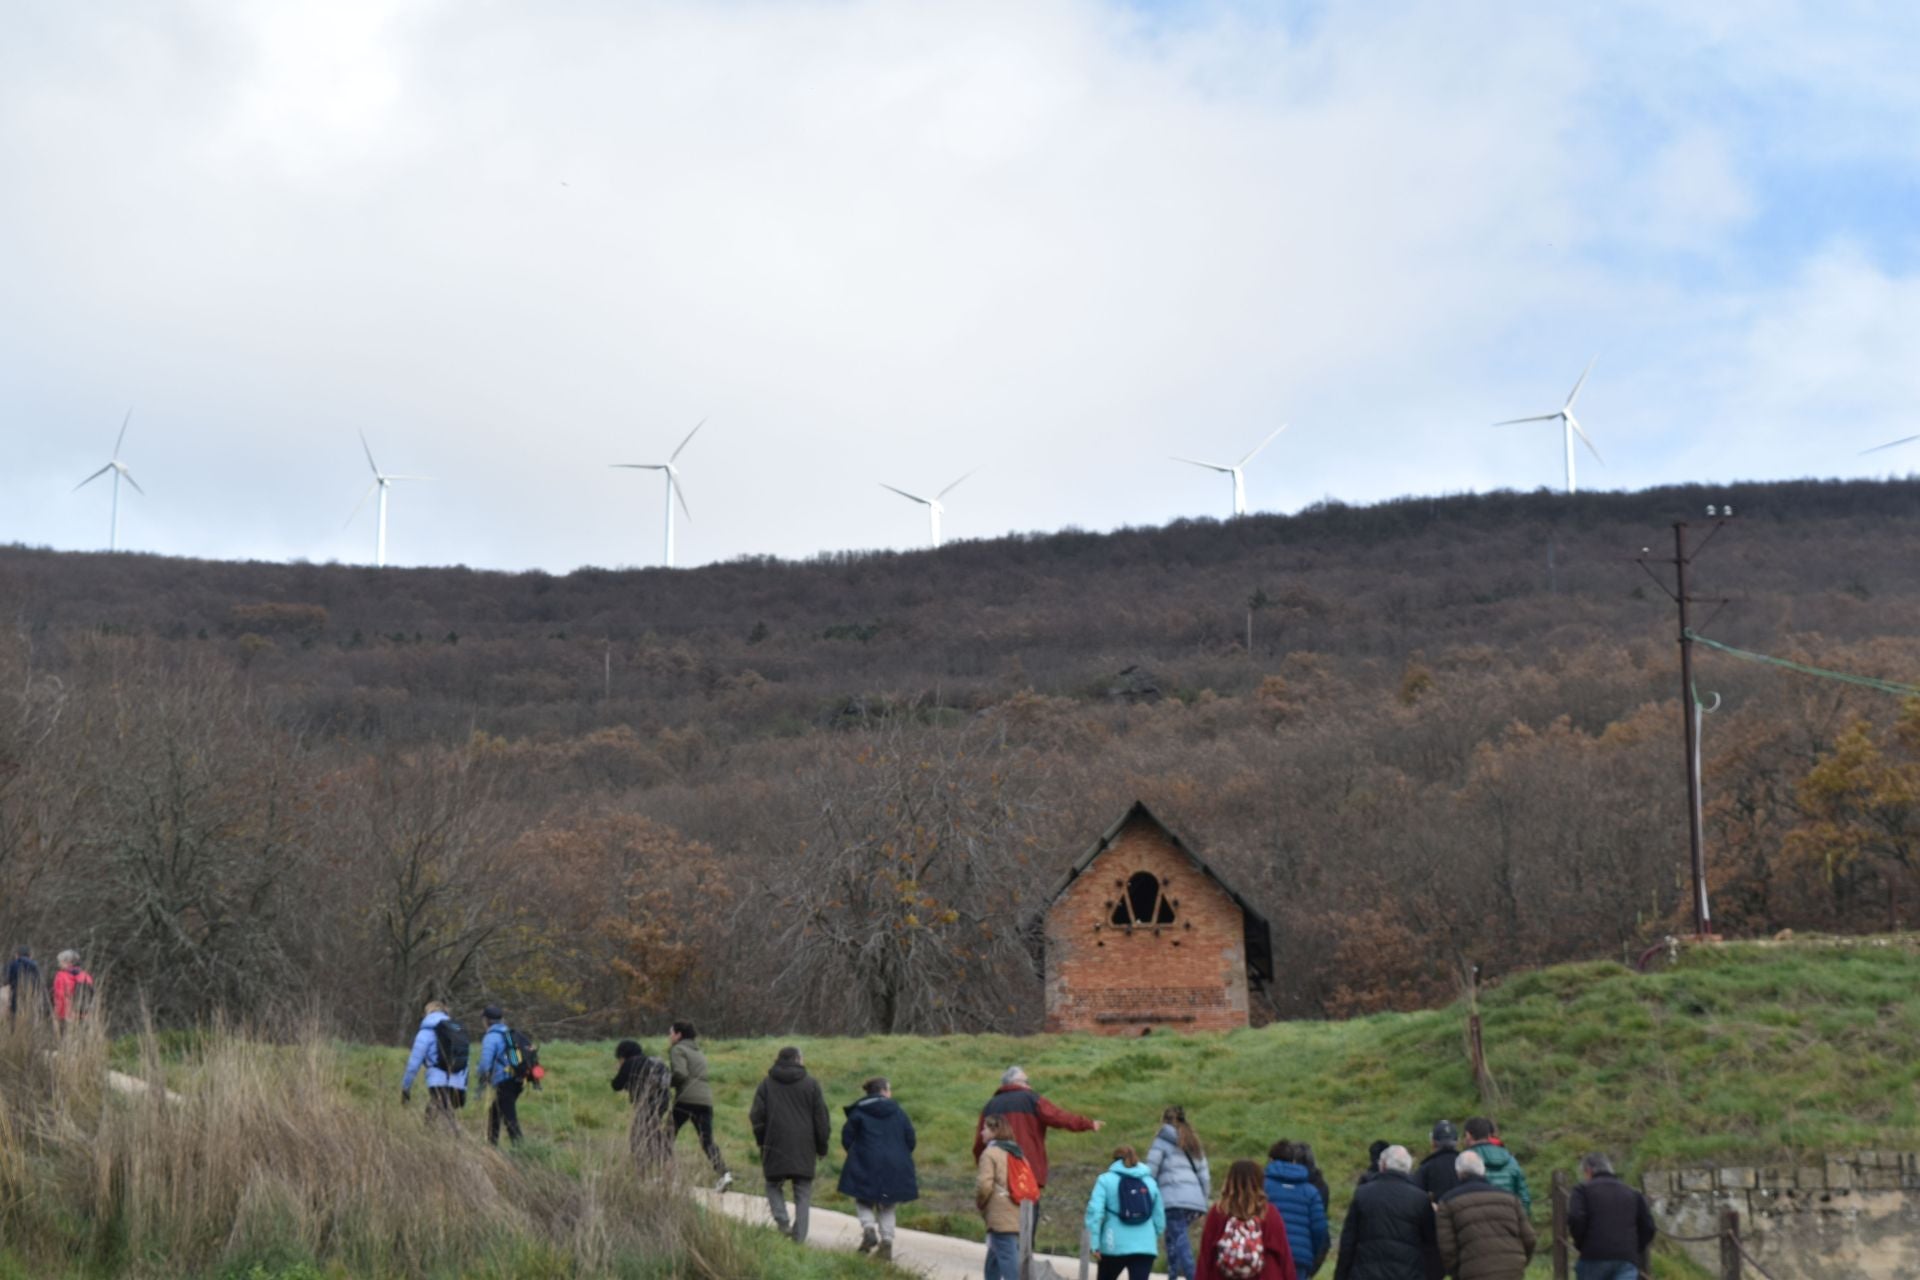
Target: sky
x=1051, y=243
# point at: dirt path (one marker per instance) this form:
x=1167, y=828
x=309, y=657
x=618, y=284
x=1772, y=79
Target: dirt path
x=936, y=1257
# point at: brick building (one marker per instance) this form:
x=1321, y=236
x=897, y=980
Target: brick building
x=1143, y=934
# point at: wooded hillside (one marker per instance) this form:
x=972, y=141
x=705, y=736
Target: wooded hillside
x=829, y=795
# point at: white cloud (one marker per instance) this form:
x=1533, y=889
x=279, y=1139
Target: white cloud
x=1054, y=239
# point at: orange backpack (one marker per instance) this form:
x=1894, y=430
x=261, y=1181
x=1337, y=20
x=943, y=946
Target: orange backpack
x=1022, y=1186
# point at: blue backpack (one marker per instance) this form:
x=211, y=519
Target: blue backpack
x=1136, y=1200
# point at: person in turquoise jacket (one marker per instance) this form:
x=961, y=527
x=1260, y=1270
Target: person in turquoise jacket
x=1125, y=1248
x=1503, y=1171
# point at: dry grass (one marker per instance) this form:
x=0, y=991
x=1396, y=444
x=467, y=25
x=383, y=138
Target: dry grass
x=261, y=1164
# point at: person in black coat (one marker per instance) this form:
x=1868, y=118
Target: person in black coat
x=648, y=1084
x=879, y=1140
x=1389, y=1233
x=1436, y=1175
x=1611, y=1223
x=792, y=1128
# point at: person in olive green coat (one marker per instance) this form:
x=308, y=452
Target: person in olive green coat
x=693, y=1096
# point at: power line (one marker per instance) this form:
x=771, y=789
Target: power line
x=1866, y=682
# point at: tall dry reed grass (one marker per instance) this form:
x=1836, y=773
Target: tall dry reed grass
x=230, y=1149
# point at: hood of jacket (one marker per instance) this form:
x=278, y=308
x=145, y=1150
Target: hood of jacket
x=787, y=1073
x=1170, y=1133
x=876, y=1106
x=1286, y=1171
x=1009, y=1146
x=435, y=1019
x=1137, y=1170
x=1494, y=1157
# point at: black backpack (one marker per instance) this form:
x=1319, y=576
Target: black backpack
x=523, y=1056
x=450, y=1042
x=1136, y=1200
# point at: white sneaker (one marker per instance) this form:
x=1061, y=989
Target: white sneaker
x=726, y=1180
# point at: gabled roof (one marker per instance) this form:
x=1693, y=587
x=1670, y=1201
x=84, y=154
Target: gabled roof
x=1259, y=935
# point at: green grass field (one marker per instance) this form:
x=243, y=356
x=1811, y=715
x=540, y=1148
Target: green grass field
x=1753, y=1052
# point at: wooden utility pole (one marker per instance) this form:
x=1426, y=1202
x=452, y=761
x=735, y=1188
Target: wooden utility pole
x=1560, y=1194
x=1729, y=1245
x=1690, y=724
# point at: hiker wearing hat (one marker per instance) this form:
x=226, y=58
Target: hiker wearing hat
x=1436, y=1175
x=496, y=1071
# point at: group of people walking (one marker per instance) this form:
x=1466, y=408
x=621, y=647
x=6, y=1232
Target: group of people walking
x=68, y=998
x=1464, y=1211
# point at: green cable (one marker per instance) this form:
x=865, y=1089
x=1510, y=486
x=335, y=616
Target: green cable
x=1865, y=682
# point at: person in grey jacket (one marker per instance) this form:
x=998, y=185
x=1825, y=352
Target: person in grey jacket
x=693, y=1096
x=792, y=1129
x=1179, y=1165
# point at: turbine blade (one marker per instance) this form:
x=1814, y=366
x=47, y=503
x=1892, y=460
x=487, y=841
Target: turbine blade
x=1540, y=417
x=371, y=464
x=128, y=477
x=903, y=493
x=371, y=489
x=675, y=455
x=1263, y=444
x=1584, y=440
x=391, y=478
x=1891, y=444
x=955, y=485
x=675, y=483
x=95, y=476
x=637, y=466
x=1211, y=466
x=1575, y=393
x=122, y=437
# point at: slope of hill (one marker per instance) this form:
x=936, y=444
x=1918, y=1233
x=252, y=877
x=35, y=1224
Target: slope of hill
x=733, y=791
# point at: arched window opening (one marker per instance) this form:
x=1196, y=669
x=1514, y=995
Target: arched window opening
x=1144, y=903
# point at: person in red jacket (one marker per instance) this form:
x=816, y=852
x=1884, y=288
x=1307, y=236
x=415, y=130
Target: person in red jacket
x=1244, y=1238
x=72, y=989
x=1031, y=1116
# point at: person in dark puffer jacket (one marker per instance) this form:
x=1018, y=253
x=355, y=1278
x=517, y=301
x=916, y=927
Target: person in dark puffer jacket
x=878, y=1174
x=1610, y=1223
x=1290, y=1191
x=1389, y=1232
x=1483, y=1231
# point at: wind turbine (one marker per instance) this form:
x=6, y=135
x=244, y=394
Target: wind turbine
x=1565, y=414
x=674, y=483
x=120, y=473
x=1891, y=444
x=381, y=483
x=935, y=508
x=1237, y=470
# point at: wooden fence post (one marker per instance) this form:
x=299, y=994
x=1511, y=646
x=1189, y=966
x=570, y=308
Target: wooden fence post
x=1729, y=1245
x=1559, y=1224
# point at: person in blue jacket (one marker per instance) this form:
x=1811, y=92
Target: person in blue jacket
x=1124, y=1248
x=1291, y=1191
x=878, y=1138
x=446, y=1091
x=496, y=1072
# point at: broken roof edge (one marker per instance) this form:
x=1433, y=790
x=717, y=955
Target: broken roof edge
x=1259, y=959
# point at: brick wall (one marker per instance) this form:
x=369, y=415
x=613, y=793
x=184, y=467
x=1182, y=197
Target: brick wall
x=1189, y=975
x=1849, y=1217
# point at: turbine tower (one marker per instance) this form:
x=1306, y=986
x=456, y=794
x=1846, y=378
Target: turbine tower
x=674, y=483
x=1571, y=429
x=120, y=473
x=1237, y=470
x=935, y=509
x=381, y=483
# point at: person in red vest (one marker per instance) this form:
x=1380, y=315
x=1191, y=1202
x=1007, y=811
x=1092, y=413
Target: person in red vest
x=1031, y=1116
x=72, y=990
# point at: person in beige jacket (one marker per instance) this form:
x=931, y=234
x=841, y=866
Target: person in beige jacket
x=995, y=1199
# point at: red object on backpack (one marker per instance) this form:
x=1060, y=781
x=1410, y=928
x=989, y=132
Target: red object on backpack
x=1022, y=1186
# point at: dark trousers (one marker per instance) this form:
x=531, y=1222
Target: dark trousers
x=702, y=1118
x=1135, y=1266
x=504, y=1110
x=442, y=1102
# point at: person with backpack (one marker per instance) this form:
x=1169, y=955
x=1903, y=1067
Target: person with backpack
x=878, y=1174
x=23, y=983
x=1243, y=1237
x=72, y=990
x=1031, y=1116
x=441, y=1048
x=1179, y=1166
x=648, y=1084
x=1125, y=1218
x=693, y=1096
x=792, y=1128
x=1290, y=1190
x=502, y=1070
x=1004, y=1189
